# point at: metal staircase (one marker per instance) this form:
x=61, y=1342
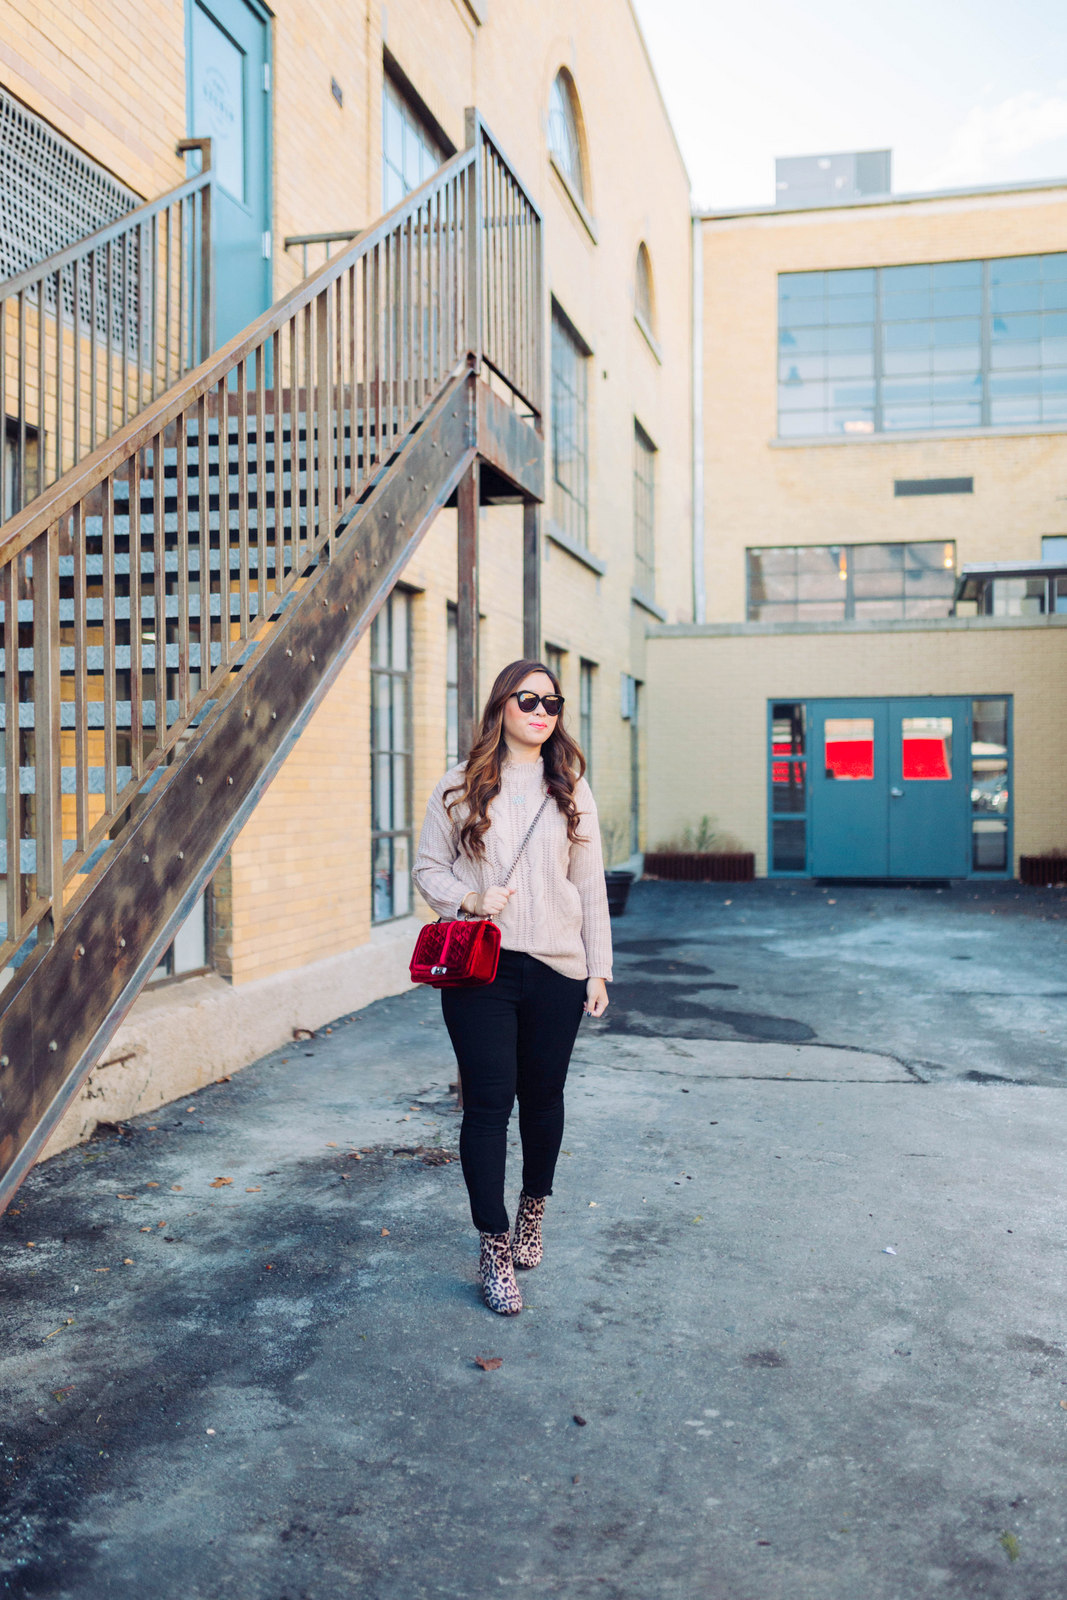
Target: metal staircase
x=173, y=609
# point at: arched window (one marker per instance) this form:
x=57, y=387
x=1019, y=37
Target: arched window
x=565, y=132
x=644, y=301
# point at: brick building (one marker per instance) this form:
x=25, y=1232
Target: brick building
x=322, y=117
x=884, y=384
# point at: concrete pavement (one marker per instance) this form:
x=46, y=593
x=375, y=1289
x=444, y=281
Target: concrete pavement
x=803, y=1287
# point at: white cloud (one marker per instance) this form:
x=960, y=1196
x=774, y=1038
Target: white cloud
x=991, y=138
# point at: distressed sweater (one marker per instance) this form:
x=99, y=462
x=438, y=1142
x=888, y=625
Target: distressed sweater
x=560, y=911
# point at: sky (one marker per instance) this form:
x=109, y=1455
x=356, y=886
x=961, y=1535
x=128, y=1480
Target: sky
x=962, y=91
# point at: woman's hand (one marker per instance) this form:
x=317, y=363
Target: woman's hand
x=596, y=997
x=488, y=903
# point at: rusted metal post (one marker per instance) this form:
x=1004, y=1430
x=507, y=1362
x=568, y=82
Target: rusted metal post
x=207, y=284
x=473, y=226
x=467, y=497
x=531, y=580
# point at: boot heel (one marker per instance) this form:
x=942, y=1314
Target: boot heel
x=499, y=1289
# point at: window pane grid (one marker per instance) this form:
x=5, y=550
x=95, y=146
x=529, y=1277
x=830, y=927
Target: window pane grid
x=410, y=153
x=838, y=583
x=391, y=759
x=644, y=513
x=900, y=349
x=570, y=434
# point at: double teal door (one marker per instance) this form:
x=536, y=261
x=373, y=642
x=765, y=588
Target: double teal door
x=890, y=788
x=228, y=71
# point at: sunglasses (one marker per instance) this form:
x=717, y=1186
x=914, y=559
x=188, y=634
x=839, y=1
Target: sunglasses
x=529, y=701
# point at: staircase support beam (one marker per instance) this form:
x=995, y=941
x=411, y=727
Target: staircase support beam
x=467, y=502
x=531, y=580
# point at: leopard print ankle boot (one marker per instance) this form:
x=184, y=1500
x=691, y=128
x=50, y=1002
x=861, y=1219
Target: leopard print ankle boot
x=499, y=1288
x=526, y=1246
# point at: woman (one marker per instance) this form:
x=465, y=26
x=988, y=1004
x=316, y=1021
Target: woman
x=514, y=1036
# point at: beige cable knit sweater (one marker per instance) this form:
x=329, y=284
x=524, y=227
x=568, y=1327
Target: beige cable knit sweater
x=560, y=912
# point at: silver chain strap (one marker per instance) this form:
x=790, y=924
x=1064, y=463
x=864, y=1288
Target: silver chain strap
x=526, y=839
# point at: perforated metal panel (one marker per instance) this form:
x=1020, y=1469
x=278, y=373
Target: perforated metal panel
x=50, y=193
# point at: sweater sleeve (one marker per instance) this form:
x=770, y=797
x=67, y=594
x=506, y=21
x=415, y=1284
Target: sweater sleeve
x=435, y=860
x=586, y=871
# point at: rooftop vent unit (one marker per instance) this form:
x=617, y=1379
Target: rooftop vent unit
x=831, y=180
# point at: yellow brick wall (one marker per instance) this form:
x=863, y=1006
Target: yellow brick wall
x=707, y=727
x=758, y=492
x=110, y=77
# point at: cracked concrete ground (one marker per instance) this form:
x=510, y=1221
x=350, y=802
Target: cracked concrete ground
x=803, y=1288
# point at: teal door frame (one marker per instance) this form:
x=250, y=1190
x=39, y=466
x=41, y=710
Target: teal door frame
x=241, y=223
x=899, y=827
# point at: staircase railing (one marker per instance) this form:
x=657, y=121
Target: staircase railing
x=94, y=333
x=128, y=599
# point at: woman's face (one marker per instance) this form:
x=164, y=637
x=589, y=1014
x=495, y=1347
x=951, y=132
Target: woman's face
x=526, y=731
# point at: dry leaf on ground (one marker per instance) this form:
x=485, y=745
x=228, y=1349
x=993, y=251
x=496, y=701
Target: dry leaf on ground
x=219, y=1183
x=489, y=1363
x=385, y=1233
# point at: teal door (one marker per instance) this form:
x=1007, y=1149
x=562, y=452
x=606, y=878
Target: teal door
x=849, y=789
x=890, y=788
x=929, y=788
x=229, y=100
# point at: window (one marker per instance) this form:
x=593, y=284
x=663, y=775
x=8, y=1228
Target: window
x=570, y=431
x=1054, y=547
x=644, y=513
x=644, y=305
x=391, y=758
x=189, y=951
x=554, y=661
x=587, y=674
x=835, y=583
x=411, y=152
x=452, y=689
x=990, y=785
x=565, y=132
x=956, y=344
x=789, y=789
x=1035, y=595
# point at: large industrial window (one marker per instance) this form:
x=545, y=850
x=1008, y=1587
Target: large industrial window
x=570, y=431
x=189, y=952
x=390, y=735
x=587, y=678
x=565, y=132
x=452, y=689
x=956, y=344
x=839, y=582
x=410, y=150
x=644, y=513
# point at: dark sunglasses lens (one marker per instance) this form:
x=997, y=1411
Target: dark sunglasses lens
x=528, y=701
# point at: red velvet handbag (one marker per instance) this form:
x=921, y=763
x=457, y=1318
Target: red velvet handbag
x=455, y=954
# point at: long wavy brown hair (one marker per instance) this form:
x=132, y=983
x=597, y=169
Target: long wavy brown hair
x=480, y=785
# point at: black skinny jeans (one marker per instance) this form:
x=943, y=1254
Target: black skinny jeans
x=513, y=1036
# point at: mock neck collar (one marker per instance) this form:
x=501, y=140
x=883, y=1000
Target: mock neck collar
x=522, y=772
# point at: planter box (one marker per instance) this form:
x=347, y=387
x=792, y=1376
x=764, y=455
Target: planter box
x=1043, y=869
x=617, y=882
x=736, y=867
